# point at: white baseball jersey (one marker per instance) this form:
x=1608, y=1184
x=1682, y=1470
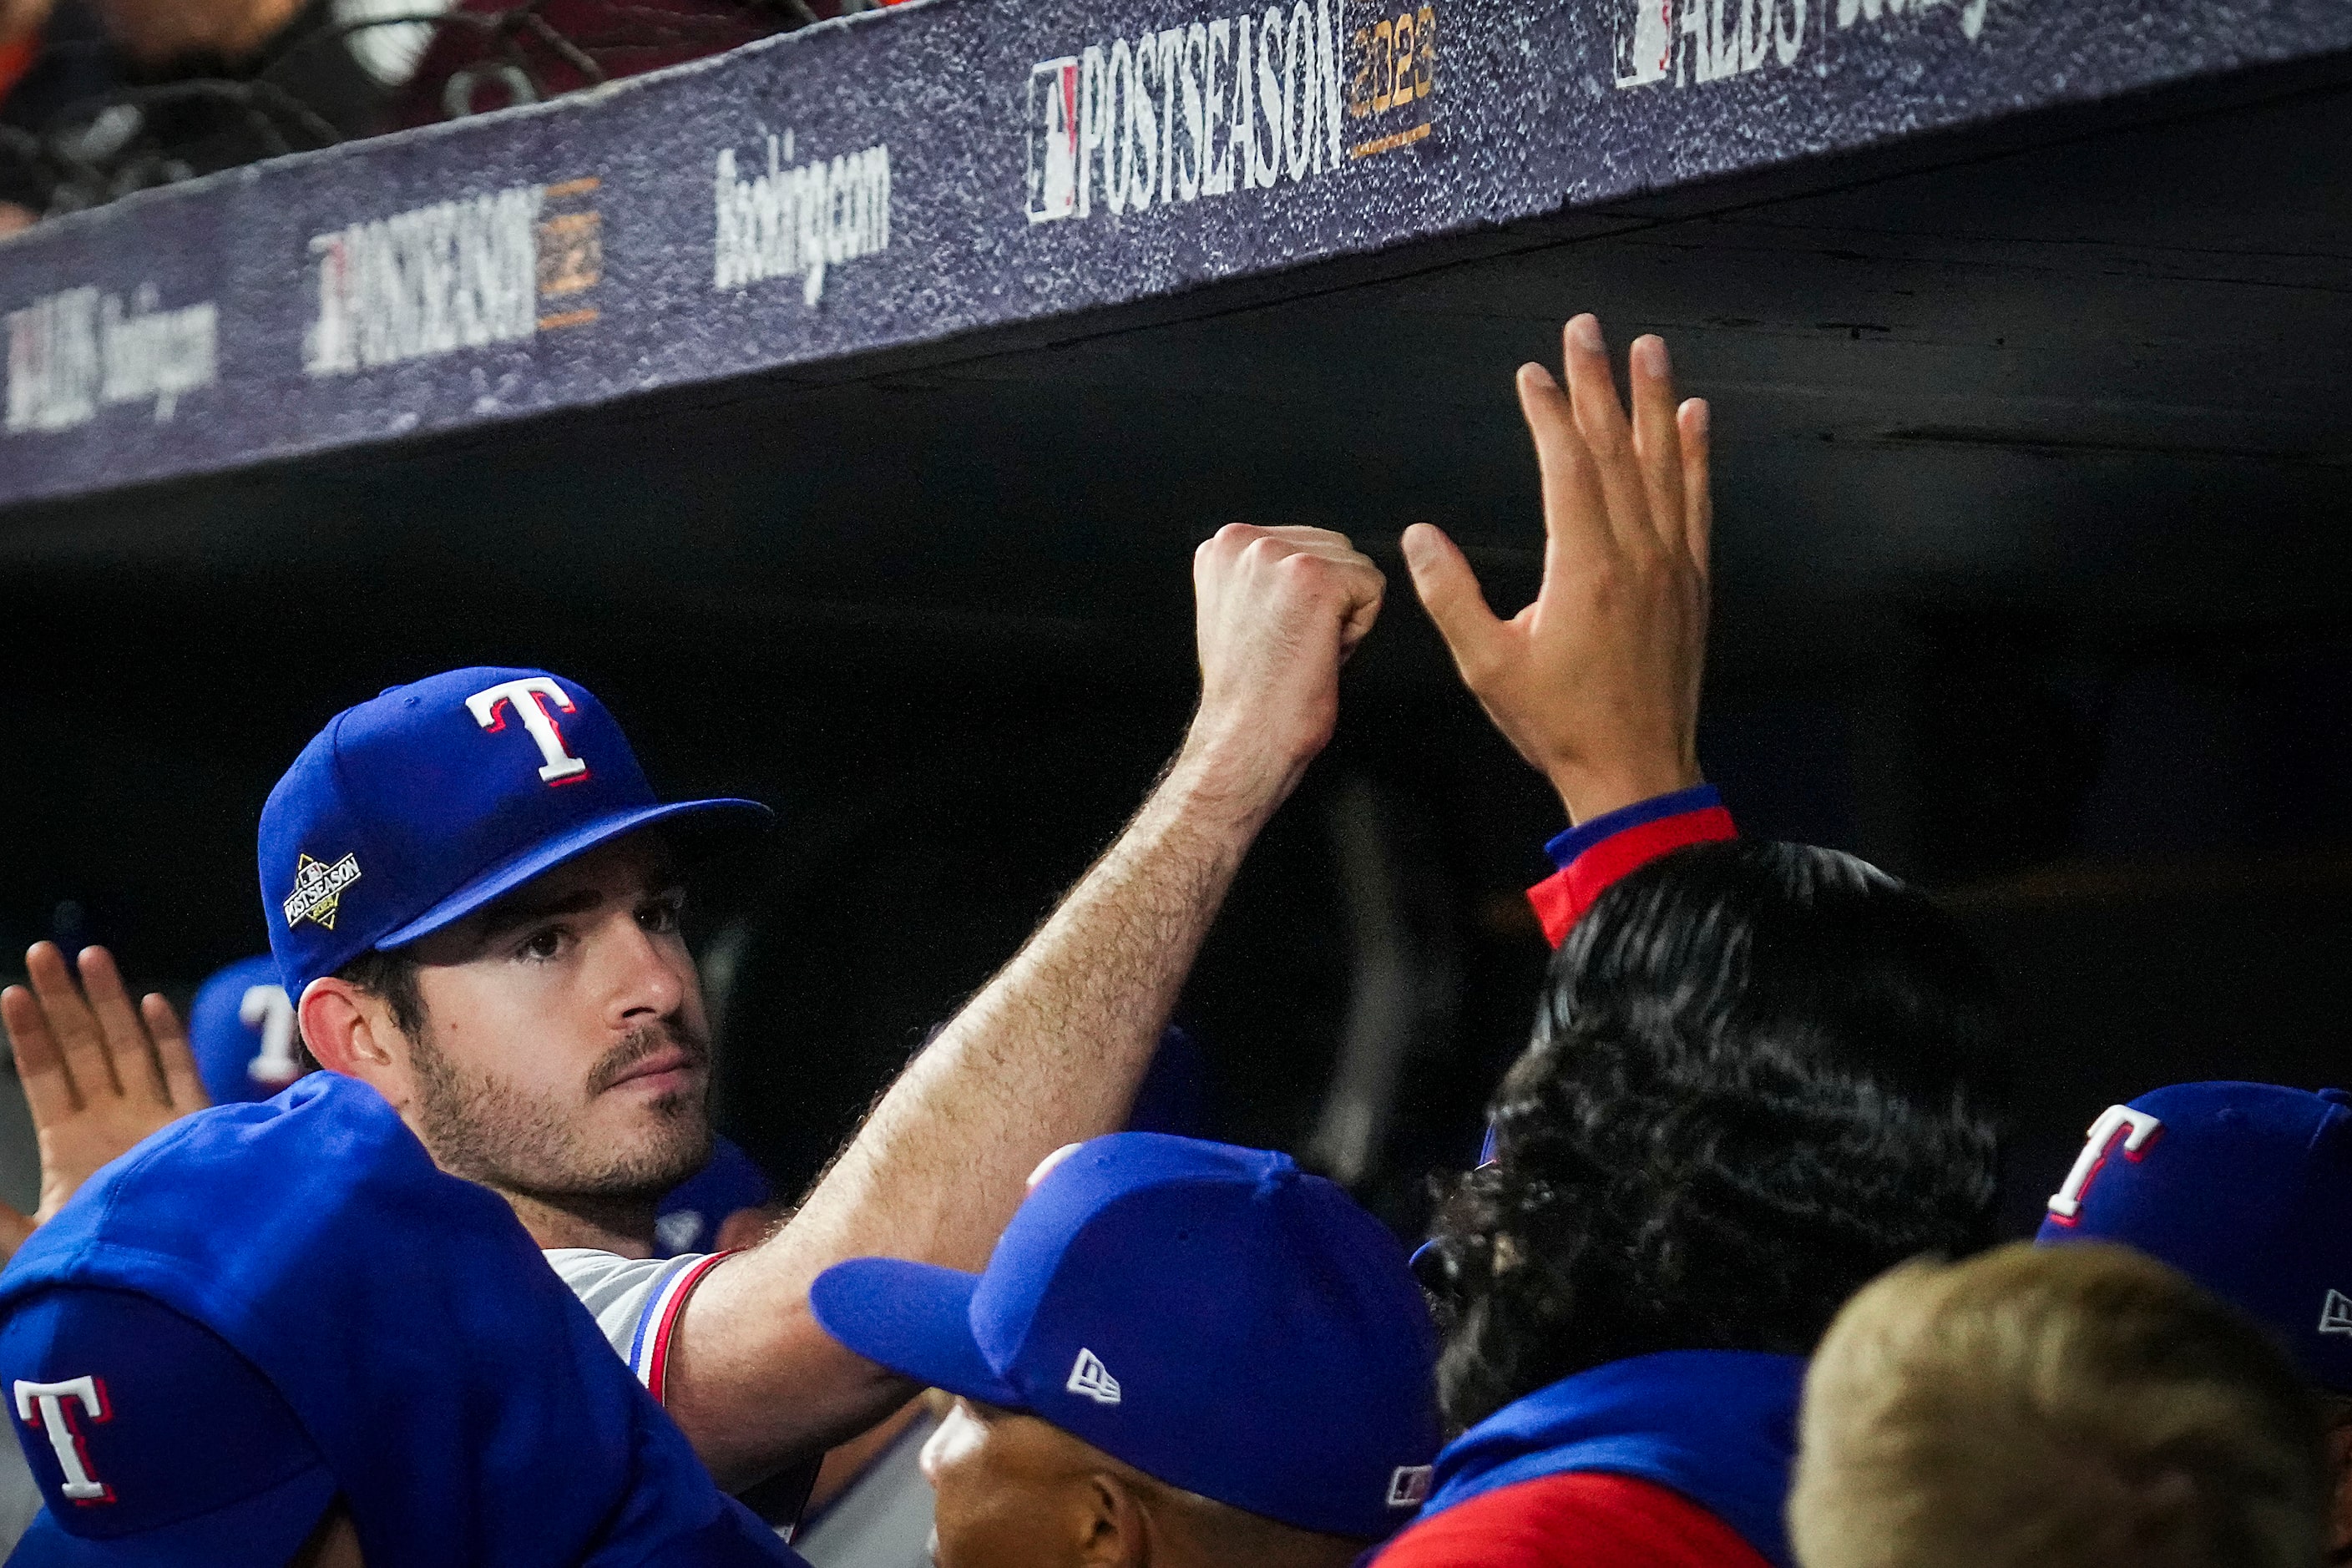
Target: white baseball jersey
x=636, y=1302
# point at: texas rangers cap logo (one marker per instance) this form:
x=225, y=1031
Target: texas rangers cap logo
x=52, y=1407
x=319, y=890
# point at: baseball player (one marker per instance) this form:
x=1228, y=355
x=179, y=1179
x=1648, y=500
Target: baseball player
x=1181, y=1353
x=473, y=897
x=2055, y=1407
x=1627, y=1287
x=473, y=900
x=501, y=959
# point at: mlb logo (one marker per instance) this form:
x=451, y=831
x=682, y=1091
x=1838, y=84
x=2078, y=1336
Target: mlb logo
x=1646, y=41
x=1054, y=140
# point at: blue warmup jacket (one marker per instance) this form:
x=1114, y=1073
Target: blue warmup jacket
x=1718, y=1428
x=464, y=1403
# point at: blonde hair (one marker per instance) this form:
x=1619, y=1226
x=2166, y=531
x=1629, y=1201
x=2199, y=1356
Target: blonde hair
x=2075, y=1407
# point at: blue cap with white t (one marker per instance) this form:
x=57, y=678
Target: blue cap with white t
x=432, y=800
x=1212, y=1316
x=253, y=1494
x=2244, y=1187
x=241, y=1030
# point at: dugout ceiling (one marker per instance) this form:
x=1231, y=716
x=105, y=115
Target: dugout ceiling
x=982, y=308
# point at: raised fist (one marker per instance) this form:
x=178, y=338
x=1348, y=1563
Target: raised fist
x=1279, y=610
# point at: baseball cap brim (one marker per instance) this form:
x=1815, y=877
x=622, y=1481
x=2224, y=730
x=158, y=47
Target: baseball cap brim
x=701, y=824
x=913, y=1317
x=268, y=1527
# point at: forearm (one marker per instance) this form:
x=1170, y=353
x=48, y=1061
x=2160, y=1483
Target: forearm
x=1050, y=1052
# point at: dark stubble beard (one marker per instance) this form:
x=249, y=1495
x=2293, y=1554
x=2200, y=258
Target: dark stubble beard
x=489, y=1131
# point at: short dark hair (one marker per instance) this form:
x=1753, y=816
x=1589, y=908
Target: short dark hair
x=391, y=977
x=1761, y=1074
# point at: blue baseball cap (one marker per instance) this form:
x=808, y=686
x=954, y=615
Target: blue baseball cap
x=241, y=1029
x=1212, y=1316
x=690, y=1217
x=99, y=1385
x=2244, y=1187
x=423, y=804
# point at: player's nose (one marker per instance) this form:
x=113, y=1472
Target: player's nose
x=648, y=977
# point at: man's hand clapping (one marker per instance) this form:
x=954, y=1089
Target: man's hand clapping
x=1597, y=682
x=1278, y=612
x=97, y=1075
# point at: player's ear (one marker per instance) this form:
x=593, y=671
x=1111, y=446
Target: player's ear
x=351, y=1033
x=2340, y=1460
x=1111, y=1519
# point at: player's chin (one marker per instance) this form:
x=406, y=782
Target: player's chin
x=672, y=1115
x=658, y=1154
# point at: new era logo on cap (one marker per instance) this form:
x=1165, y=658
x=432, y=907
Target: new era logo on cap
x=1409, y=1486
x=2335, y=1314
x=1090, y=1377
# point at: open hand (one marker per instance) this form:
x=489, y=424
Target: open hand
x=1597, y=682
x=98, y=1076
x=1278, y=612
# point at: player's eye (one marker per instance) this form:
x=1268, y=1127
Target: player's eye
x=662, y=915
x=542, y=944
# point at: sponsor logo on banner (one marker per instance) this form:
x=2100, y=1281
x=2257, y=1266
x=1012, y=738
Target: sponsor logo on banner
x=795, y=220
x=73, y=352
x=1686, y=42
x=498, y=268
x=1220, y=108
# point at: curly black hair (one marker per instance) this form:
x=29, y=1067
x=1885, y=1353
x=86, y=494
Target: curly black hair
x=1761, y=1074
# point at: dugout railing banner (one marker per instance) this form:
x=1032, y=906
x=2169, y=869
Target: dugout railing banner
x=912, y=174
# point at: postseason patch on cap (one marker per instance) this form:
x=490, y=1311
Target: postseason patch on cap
x=319, y=890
